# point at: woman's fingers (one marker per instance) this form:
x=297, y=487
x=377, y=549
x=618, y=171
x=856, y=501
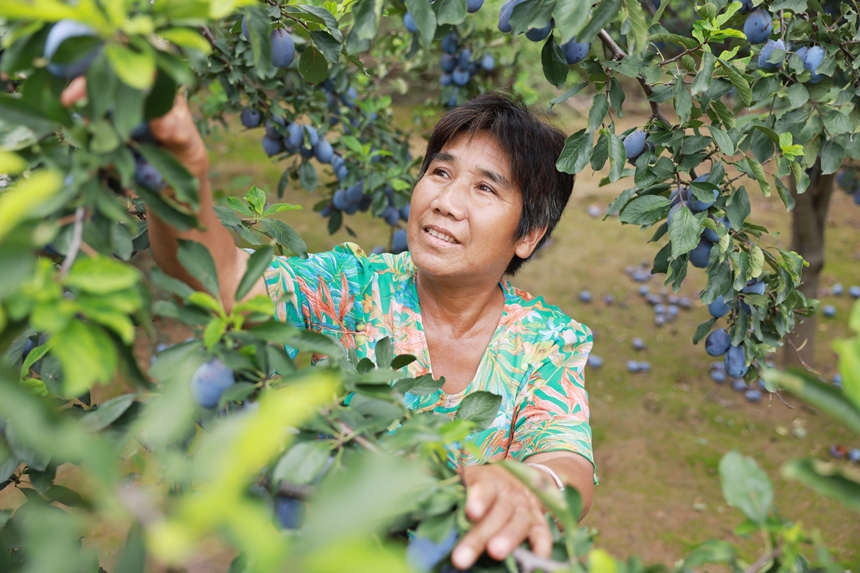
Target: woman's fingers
x=514, y=532
x=76, y=91
x=475, y=541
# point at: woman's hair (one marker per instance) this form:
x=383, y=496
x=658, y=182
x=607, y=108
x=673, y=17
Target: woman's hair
x=532, y=146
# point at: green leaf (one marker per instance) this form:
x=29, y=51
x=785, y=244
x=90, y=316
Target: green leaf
x=711, y=551
x=384, y=353
x=645, y=210
x=366, y=16
x=308, y=176
x=259, y=34
x=87, y=355
x=600, y=153
x=616, y=96
x=302, y=463
x=797, y=95
x=313, y=65
x=480, y=408
x=198, y=261
x=617, y=157
x=286, y=236
x=256, y=265
x=738, y=80
x=66, y=496
x=599, y=107
x=101, y=275
x=135, y=69
x=425, y=19
x=832, y=156
x=706, y=73
x=684, y=232
x=576, y=153
x=727, y=117
x=175, y=174
x=327, y=45
x=839, y=483
x=450, y=11
x=603, y=13
x=570, y=16
x=746, y=486
x=554, y=63
x=719, y=279
x=638, y=26
x=758, y=170
x=256, y=198
x=279, y=208
x=723, y=140
x=566, y=95
x=99, y=418
x=756, y=261
x=703, y=329
x=683, y=100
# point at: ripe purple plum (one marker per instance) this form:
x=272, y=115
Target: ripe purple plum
x=811, y=60
x=758, y=26
x=718, y=342
x=409, y=23
x=505, y=15
x=765, y=53
x=718, y=308
x=575, y=52
x=701, y=256
x=250, y=117
x=209, y=382
x=473, y=6
x=736, y=362
x=60, y=32
x=283, y=48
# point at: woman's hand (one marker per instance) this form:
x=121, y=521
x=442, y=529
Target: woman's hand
x=505, y=512
x=175, y=131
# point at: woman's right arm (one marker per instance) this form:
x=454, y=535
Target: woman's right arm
x=177, y=133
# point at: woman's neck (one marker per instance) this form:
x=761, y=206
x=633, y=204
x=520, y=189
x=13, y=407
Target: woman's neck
x=458, y=308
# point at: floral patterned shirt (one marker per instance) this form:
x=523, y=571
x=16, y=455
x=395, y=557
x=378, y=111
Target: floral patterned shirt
x=535, y=359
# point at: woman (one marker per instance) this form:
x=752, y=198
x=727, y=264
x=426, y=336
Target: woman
x=489, y=195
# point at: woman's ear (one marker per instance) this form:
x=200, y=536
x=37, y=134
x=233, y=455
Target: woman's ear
x=526, y=246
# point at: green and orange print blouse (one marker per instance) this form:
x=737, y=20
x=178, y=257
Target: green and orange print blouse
x=535, y=360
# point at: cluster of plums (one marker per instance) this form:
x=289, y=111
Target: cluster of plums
x=290, y=138
x=719, y=342
x=459, y=66
x=574, y=52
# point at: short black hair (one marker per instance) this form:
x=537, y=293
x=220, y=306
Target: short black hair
x=533, y=147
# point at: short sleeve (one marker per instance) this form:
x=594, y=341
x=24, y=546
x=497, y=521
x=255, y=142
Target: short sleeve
x=317, y=293
x=552, y=412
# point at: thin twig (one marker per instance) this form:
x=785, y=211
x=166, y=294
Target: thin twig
x=782, y=400
x=617, y=54
x=77, y=237
x=358, y=439
x=760, y=562
x=529, y=562
x=797, y=352
x=681, y=55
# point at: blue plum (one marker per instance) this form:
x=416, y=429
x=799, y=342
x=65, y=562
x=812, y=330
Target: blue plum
x=575, y=52
x=450, y=43
x=758, y=26
x=696, y=204
x=854, y=455
x=718, y=308
x=638, y=344
x=404, y=212
x=488, y=62
x=752, y=395
x=644, y=367
x=272, y=145
x=323, y=151
x=391, y=215
x=209, y=382
x=718, y=376
x=355, y=193
x=505, y=15
x=473, y=6
x=718, y=342
x=148, y=176
x=828, y=310
x=701, y=256
x=313, y=134
x=746, y=7
x=294, y=135
x=245, y=31
x=464, y=58
x=250, y=117
x=307, y=152
x=424, y=554
x=736, y=362
x=398, y=241
x=290, y=512
x=460, y=77
x=765, y=53
x=811, y=60
x=349, y=96
x=854, y=291
x=409, y=23
x=634, y=144
x=27, y=349
x=712, y=235
x=60, y=32
x=739, y=385
x=340, y=200
x=540, y=34
x=271, y=129
x=448, y=62
x=377, y=250
x=632, y=366
x=594, y=361
x=754, y=286
x=585, y=296
x=837, y=289
x=283, y=48
x=446, y=80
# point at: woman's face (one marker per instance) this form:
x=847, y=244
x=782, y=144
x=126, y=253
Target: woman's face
x=465, y=211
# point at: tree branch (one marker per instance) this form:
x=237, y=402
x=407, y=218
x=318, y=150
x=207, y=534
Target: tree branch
x=617, y=54
x=760, y=562
x=358, y=439
x=529, y=562
x=77, y=238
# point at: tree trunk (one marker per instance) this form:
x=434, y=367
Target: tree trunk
x=807, y=239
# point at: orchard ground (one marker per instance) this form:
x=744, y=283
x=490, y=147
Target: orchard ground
x=658, y=436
